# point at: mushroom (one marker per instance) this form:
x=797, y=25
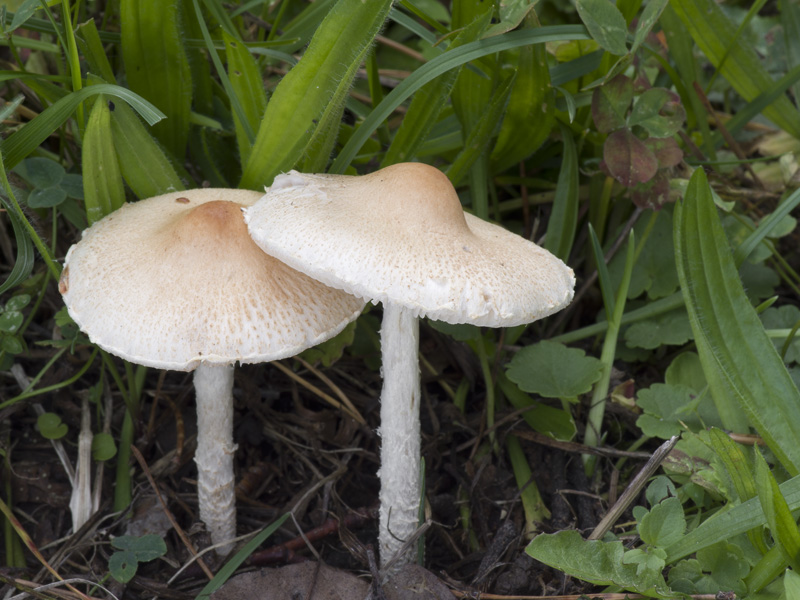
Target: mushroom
x=175, y=282
x=399, y=236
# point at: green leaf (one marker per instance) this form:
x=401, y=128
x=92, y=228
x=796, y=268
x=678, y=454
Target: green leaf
x=597, y=562
x=24, y=262
x=791, y=585
x=40, y=172
x=664, y=524
x=103, y=446
x=46, y=197
x=91, y=47
x=649, y=17
x=302, y=96
x=554, y=422
x=686, y=369
x=659, y=111
x=553, y=370
x=610, y=104
x=780, y=521
x=739, y=359
x=669, y=329
x=145, y=547
x=329, y=351
x=123, y=566
x=564, y=218
x=103, y=188
x=10, y=321
x=18, y=302
x=605, y=23
x=715, y=35
x=667, y=410
x=50, y=426
x=156, y=65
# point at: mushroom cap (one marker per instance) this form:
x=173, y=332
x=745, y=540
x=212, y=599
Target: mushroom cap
x=400, y=235
x=175, y=280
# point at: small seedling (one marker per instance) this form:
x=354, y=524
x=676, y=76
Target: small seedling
x=131, y=551
x=51, y=427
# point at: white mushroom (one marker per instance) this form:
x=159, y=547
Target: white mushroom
x=400, y=237
x=175, y=282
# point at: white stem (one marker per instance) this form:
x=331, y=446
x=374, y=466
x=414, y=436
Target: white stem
x=400, y=434
x=80, y=504
x=215, y=448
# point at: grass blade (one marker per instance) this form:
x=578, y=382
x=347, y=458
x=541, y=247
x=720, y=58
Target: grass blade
x=715, y=35
x=530, y=115
x=248, y=88
x=442, y=64
x=564, y=218
x=738, y=358
x=24, y=141
x=303, y=96
x=779, y=518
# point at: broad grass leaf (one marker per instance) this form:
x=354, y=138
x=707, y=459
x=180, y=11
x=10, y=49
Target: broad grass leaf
x=303, y=95
x=553, y=370
x=156, y=65
x=247, y=84
x=144, y=165
x=530, y=114
x=103, y=188
x=601, y=563
x=664, y=524
x=605, y=23
x=715, y=35
x=91, y=47
x=780, y=521
x=791, y=585
x=473, y=86
x=481, y=132
x=739, y=359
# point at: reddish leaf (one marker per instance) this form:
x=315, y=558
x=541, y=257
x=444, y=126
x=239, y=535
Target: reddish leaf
x=666, y=150
x=628, y=158
x=653, y=194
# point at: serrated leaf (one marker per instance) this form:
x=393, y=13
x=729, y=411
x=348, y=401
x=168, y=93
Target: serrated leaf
x=666, y=409
x=628, y=159
x=610, y=104
x=669, y=329
x=553, y=370
x=605, y=23
x=739, y=359
x=597, y=562
x=645, y=560
x=664, y=524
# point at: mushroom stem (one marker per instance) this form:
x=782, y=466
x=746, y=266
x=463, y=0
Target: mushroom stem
x=400, y=432
x=213, y=385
